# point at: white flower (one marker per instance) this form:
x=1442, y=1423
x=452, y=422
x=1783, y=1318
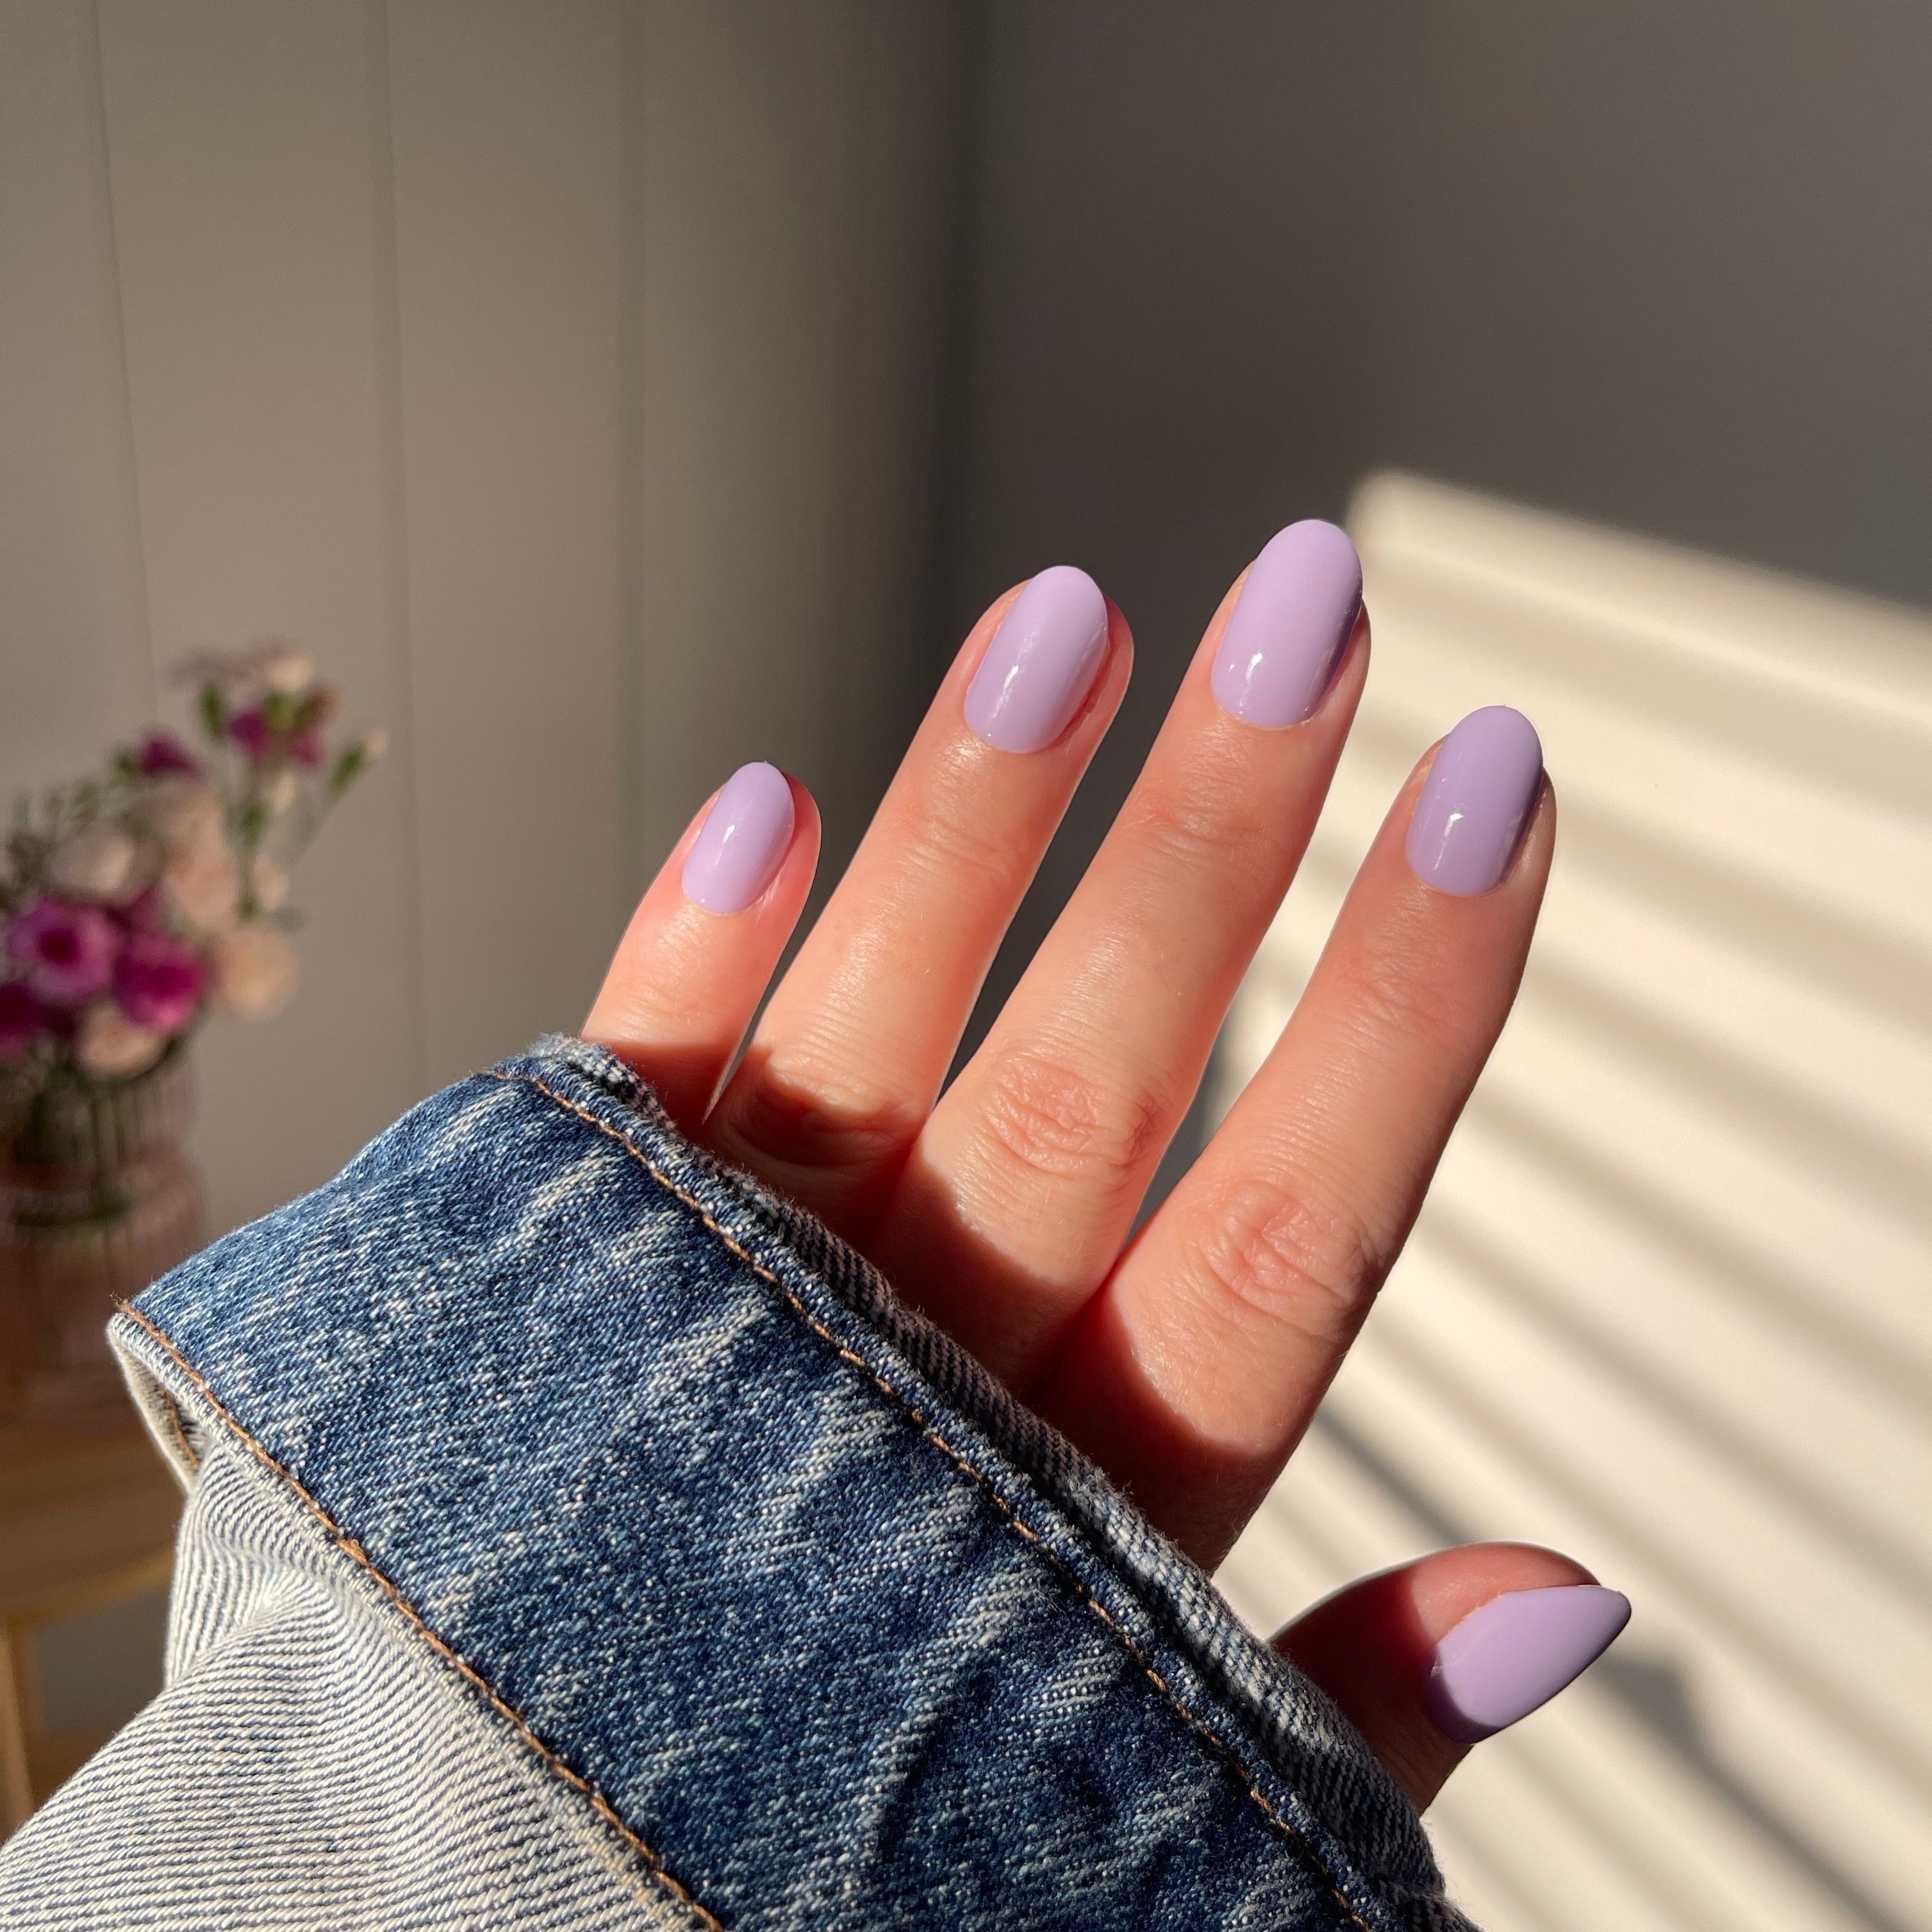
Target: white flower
x=284, y=668
x=254, y=971
x=95, y=862
x=279, y=793
x=268, y=883
x=372, y=744
x=110, y=1046
x=204, y=884
x=184, y=812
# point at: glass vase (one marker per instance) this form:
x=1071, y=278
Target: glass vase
x=98, y=1198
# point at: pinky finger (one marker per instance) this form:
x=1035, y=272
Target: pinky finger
x=706, y=938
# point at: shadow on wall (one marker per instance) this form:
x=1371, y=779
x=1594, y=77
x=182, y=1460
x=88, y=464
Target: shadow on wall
x=1654, y=1690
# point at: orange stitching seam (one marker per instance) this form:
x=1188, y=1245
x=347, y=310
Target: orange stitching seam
x=349, y=1545
x=1196, y=1723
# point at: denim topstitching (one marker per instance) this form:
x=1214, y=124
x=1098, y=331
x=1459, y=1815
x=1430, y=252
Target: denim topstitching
x=1195, y=1722
x=654, y=1865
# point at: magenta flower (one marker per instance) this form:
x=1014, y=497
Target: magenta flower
x=252, y=731
x=143, y=912
x=158, y=982
x=67, y=949
x=305, y=748
x=23, y=1019
x=162, y=751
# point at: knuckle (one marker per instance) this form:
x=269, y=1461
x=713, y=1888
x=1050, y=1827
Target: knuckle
x=1311, y=1265
x=785, y=1124
x=1196, y=827
x=1054, y=1122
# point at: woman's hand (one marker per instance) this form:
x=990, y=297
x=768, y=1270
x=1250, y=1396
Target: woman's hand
x=1188, y=1362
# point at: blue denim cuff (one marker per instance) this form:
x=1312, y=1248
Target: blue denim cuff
x=825, y=1628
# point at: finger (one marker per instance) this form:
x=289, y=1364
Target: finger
x=1429, y=1658
x=702, y=944
x=1025, y=1183
x=856, y=1040
x=1196, y=1370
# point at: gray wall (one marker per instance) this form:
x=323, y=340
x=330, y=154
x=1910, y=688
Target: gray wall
x=564, y=378
x=1663, y=263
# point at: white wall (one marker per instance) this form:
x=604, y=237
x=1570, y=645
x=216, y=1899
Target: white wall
x=565, y=377
x=1665, y=1308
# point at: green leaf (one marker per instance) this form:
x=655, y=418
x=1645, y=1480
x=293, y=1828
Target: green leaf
x=213, y=710
x=347, y=768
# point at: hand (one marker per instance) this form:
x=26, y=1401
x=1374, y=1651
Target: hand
x=1188, y=1362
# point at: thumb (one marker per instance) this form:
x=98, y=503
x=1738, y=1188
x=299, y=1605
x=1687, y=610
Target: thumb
x=1426, y=1659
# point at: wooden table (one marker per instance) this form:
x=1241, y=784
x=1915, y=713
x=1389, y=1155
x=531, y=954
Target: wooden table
x=87, y=1520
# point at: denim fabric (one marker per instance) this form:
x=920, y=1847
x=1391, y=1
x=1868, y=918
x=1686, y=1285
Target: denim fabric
x=311, y=1769
x=685, y=1512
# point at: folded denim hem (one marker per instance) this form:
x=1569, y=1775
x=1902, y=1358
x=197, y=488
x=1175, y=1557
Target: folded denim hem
x=760, y=1565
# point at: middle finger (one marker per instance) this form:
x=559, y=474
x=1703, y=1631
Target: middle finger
x=1024, y=1186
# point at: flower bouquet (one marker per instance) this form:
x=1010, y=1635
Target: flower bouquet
x=132, y=905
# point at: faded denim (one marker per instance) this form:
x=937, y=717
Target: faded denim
x=579, y=1536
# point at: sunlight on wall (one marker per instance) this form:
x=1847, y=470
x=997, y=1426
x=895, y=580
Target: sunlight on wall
x=1667, y=1309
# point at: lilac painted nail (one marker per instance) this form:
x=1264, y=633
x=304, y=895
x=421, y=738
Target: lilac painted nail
x=1475, y=802
x=743, y=839
x=1517, y=1652
x=1292, y=623
x=1042, y=662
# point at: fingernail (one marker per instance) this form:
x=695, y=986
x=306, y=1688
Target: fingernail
x=1476, y=802
x=1290, y=626
x=742, y=841
x=1517, y=1652
x=1042, y=662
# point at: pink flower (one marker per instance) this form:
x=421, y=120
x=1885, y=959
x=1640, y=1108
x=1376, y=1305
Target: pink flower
x=67, y=949
x=305, y=748
x=252, y=731
x=143, y=912
x=158, y=982
x=23, y=1019
x=162, y=751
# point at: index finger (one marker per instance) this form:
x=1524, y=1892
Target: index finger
x=1194, y=1371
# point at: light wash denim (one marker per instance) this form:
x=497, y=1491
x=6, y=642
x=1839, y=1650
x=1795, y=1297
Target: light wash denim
x=579, y=1536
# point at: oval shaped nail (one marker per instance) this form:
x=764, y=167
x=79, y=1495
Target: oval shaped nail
x=1517, y=1652
x=742, y=841
x=1041, y=663
x=1476, y=803
x=1290, y=626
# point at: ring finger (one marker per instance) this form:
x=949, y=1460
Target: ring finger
x=849, y=1054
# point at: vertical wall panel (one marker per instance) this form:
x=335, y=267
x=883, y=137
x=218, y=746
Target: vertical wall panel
x=508, y=179
x=913, y=94
x=798, y=172
x=240, y=142
x=749, y=238
x=74, y=666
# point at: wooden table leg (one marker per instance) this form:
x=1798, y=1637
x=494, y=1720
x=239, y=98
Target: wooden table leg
x=18, y=1703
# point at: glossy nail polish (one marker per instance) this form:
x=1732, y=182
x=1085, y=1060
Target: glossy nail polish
x=1475, y=802
x=742, y=841
x=1517, y=1652
x=1290, y=626
x=1041, y=663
